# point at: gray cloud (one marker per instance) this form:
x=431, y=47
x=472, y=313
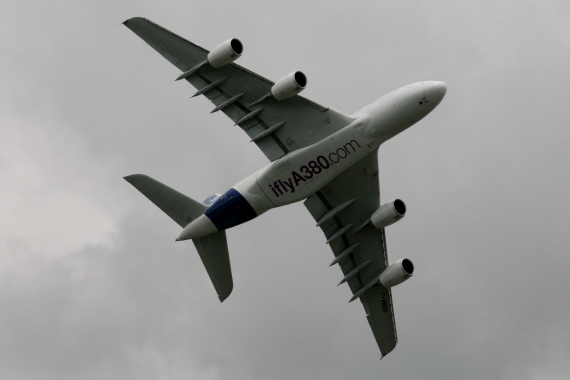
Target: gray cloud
x=92, y=284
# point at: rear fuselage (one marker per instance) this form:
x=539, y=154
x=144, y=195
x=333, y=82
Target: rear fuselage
x=301, y=173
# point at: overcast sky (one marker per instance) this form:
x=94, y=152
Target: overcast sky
x=93, y=286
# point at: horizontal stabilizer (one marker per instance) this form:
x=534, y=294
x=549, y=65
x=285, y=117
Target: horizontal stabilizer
x=178, y=206
x=213, y=250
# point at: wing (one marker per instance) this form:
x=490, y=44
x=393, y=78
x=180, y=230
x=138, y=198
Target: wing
x=276, y=127
x=343, y=209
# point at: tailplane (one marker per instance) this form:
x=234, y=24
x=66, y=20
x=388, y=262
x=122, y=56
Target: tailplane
x=213, y=249
x=176, y=205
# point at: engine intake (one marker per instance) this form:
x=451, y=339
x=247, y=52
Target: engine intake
x=389, y=213
x=397, y=273
x=290, y=85
x=226, y=52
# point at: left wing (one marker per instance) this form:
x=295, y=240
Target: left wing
x=343, y=209
x=277, y=127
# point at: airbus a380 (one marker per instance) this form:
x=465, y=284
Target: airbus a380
x=318, y=154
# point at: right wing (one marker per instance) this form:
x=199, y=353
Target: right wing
x=297, y=121
x=360, y=248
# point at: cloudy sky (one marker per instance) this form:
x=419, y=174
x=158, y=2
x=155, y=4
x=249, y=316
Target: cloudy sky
x=92, y=284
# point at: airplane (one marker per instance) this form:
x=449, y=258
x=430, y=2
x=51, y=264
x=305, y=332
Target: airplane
x=317, y=154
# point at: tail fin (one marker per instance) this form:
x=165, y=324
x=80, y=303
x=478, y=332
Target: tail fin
x=213, y=249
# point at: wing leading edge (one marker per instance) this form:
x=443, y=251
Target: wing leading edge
x=276, y=127
x=342, y=210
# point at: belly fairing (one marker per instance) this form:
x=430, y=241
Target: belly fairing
x=303, y=172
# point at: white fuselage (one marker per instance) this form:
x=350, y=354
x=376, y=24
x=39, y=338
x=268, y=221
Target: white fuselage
x=301, y=173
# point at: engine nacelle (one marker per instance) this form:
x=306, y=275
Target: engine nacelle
x=290, y=85
x=397, y=273
x=226, y=52
x=388, y=213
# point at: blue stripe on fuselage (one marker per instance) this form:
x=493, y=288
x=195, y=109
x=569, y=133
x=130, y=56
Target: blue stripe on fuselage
x=229, y=210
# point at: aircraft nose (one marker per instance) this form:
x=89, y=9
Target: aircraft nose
x=436, y=92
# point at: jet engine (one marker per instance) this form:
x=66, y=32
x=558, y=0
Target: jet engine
x=397, y=273
x=288, y=86
x=226, y=52
x=388, y=213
